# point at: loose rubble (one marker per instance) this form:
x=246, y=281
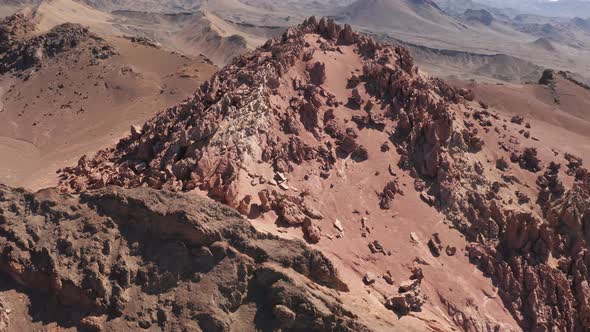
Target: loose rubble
x=409, y=297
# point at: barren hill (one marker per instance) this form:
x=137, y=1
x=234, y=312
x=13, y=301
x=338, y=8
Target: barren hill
x=425, y=205
x=414, y=16
x=346, y=143
x=220, y=40
x=68, y=91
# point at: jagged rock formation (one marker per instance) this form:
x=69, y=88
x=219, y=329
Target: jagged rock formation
x=546, y=295
x=534, y=254
x=119, y=258
x=572, y=78
x=408, y=298
x=237, y=118
x=21, y=50
x=13, y=28
x=244, y=135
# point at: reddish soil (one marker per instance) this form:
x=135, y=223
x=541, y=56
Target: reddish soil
x=438, y=207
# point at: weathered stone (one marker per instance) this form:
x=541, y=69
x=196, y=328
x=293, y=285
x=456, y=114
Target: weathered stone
x=338, y=225
x=311, y=232
x=356, y=97
x=92, y=324
x=388, y=195
x=434, y=244
x=369, y=278
x=388, y=278
x=451, y=251
x=317, y=73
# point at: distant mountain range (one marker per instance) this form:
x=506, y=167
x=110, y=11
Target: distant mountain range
x=558, y=8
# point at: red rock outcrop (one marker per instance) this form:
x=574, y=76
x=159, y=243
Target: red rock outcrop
x=388, y=195
x=516, y=247
x=270, y=112
x=527, y=160
x=209, y=141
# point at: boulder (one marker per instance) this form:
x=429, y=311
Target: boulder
x=346, y=36
x=388, y=278
x=92, y=324
x=389, y=192
x=547, y=78
x=356, y=97
x=311, y=232
x=403, y=303
x=435, y=245
x=353, y=81
x=4, y=319
x=338, y=225
x=290, y=211
x=284, y=315
x=317, y=73
x=369, y=278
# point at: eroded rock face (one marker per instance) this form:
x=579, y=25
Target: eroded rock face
x=482, y=16
x=152, y=258
x=548, y=77
x=388, y=195
x=528, y=160
x=515, y=247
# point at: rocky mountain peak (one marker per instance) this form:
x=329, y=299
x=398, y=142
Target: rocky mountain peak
x=309, y=124
x=272, y=111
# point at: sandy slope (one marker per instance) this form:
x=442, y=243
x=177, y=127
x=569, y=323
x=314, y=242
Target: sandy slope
x=565, y=124
x=216, y=38
x=53, y=12
x=66, y=109
x=6, y=10
x=406, y=15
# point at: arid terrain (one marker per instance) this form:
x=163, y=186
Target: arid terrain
x=238, y=165
x=470, y=40
x=59, y=102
